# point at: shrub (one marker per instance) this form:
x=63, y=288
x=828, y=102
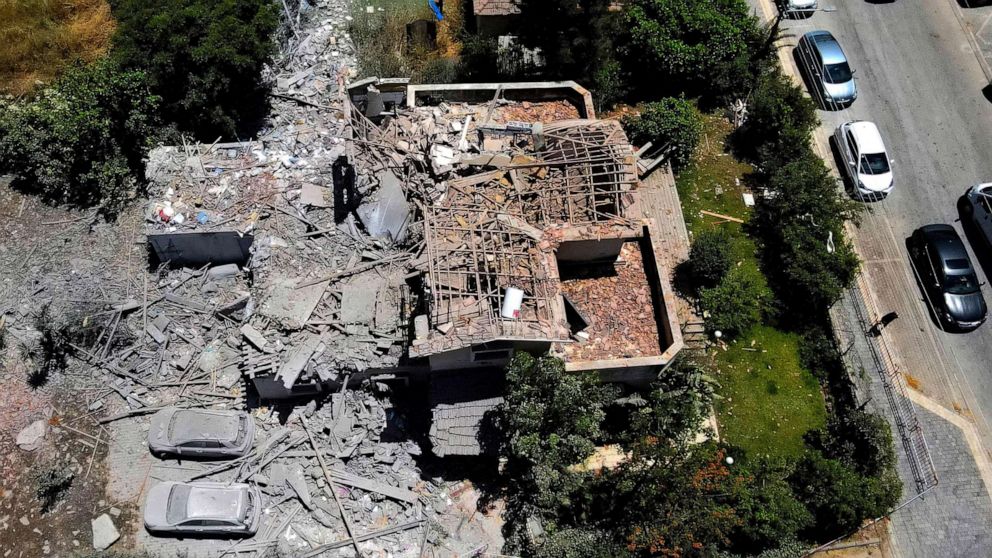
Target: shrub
x=818, y=353
x=82, y=141
x=861, y=440
x=780, y=122
x=702, y=47
x=737, y=303
x=770, y=514
x=710, y=259
x=799, y=223
x=671, y=123
x=203, y=57
x=674, y=407
x=838, y=497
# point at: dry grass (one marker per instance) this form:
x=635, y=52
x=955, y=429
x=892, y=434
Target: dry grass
x=382, y=40
x=40, y=37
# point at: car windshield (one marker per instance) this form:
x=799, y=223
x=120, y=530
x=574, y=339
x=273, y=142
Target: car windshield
x=838, y=73
x=961, y=284
x=874, y=163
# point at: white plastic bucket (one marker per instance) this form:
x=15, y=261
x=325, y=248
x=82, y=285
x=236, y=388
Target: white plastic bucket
x=513, y=298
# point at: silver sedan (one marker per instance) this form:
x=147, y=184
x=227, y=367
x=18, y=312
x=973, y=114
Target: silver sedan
x=203, y=508
x=201, y=432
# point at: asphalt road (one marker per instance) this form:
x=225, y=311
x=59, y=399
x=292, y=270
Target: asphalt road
x=920, y=81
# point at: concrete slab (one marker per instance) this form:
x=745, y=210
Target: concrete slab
x=358, y=301
x=387, y=215
x=290, y=305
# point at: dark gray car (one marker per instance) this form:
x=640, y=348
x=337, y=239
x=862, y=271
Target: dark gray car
x=210, y=508
x=201, y=432
x=948, y=277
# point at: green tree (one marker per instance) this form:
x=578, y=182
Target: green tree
x=576, y=40
x=203, y=57
x=838, y=497
x=550, y=421
x=671, y=499
x=807, y=255
x=770, y=513
x=737, y=303
x=672, y=122
x=702, y=47
x=710, y=258
x=674, y=408
x=579, y=543
x=82, y=141
x=780, y=122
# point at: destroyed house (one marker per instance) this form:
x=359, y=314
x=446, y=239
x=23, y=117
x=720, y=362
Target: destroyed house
x=549, y=251
x=495, y=17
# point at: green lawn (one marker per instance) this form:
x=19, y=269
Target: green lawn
x=769, y=400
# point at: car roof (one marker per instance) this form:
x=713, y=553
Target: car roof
x=946, y=242
x=191, y=424
x=221, y=502
x=827, y=46
x=868, y=137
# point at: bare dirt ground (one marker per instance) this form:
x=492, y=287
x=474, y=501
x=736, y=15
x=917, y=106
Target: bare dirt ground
x=61, y=259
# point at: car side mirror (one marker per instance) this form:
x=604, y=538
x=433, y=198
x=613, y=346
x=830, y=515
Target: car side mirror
x=892, y=161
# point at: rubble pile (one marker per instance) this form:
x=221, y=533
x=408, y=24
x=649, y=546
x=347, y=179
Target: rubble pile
x=619, y=327
x=362, y=493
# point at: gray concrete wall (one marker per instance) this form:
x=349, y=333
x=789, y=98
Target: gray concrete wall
x=462, y=358
x=534, y=91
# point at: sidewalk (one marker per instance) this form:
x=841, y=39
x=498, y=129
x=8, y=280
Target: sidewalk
x=953, y=519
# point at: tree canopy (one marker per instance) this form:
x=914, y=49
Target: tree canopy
x=705, y=48
x=203, y=57
x=83, y=140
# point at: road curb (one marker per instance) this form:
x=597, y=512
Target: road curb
x=972, y=41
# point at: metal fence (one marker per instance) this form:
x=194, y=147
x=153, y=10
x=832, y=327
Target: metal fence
x=907, y=422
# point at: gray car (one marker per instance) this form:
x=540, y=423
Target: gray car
x=210, y=508
x=978, y=209
x=948, y=277
x=824, y=62
x=201, y=432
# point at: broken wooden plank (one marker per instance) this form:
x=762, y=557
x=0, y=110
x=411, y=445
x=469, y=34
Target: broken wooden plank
x=721, y=216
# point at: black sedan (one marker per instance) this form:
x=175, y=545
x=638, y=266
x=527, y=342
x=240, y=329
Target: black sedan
x=948, y=277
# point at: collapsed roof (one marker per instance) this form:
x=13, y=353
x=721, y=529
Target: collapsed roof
x=488, y=231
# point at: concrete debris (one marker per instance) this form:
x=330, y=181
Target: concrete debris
x=290, y=267
x=388, y=215
x=33, y=436
x=104, y=532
